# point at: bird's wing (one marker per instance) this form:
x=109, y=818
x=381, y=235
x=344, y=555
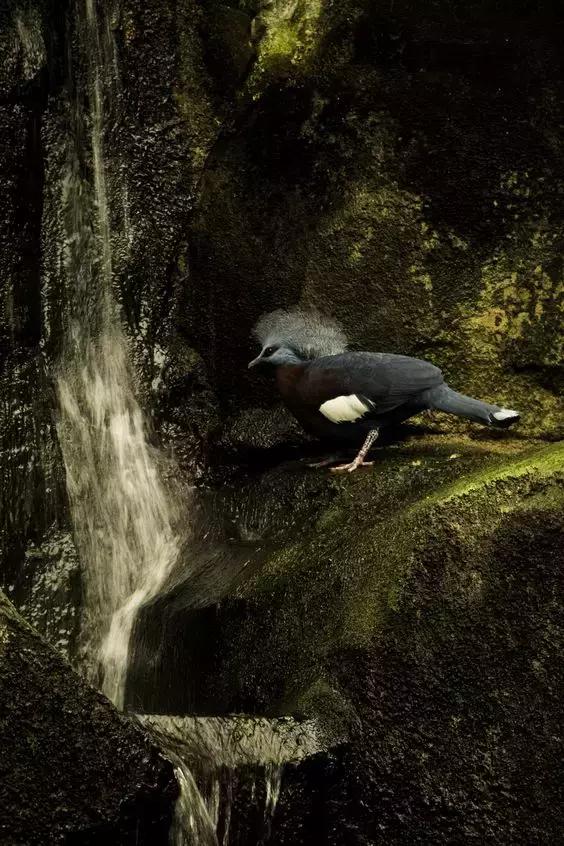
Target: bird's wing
x=352, y=385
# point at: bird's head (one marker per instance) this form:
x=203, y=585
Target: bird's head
x=292, y=337
x=276, y=354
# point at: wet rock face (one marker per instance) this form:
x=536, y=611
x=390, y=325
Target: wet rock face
x=157, y=129
x=157, y=124
x=73, y=770
x=32, y=497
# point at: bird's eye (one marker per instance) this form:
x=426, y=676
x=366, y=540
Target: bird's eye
x=269, y=351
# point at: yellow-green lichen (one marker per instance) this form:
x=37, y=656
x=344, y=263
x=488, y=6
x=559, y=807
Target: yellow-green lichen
x=289, y=41
x=512, y=330
x=521, y=302
x=381, y=521
x=538, y=462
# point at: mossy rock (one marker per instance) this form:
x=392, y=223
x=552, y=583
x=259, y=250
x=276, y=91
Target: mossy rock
x=341, y=578
x=414, y=608
x=372, y=169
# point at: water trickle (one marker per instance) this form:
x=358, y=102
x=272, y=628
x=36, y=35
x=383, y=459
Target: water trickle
x=223, y=752
x=121, y=512
x=195, y=820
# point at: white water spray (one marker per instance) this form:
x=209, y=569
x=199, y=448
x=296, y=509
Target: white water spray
x=121, y=512
x=221, y=746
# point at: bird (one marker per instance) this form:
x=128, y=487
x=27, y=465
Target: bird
x=349, y=396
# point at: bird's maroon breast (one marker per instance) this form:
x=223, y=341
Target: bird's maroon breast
x=298, y=396
x=288, y=379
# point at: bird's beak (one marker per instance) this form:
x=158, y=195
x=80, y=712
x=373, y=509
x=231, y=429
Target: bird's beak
x=255, y=361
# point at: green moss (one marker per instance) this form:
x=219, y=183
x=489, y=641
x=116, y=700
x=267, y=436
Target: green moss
x=289, y=43
x=344, y=582
x=465, y=509
x=513, y=326
x=540, y=463
x=520, y=303
x=282, y=44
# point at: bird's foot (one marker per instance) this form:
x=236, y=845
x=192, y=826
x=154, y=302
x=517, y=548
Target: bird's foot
x=350, y=468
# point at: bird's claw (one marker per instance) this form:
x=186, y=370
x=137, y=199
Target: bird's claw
x=350, y=468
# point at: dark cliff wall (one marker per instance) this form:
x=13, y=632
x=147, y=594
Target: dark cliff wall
x=32, y=499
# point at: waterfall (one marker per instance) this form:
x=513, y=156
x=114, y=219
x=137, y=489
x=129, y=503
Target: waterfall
x=123, y=517
x=217, y=749
x=121, y=512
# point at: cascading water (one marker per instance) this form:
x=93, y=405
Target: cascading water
x=217, y=748
x=123, y=517
x=121, y=512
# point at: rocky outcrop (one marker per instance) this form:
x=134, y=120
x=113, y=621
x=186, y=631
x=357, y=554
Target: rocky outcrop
x=73, y=769
x=457, y=697
x=32, y=495
x=415, y=608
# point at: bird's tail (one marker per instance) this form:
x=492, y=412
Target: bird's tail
x=444, y=398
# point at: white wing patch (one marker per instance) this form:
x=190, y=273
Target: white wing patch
x=345, y=409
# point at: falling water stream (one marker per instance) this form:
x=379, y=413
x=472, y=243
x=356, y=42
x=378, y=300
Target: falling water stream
x=122, y=514
x=125, y=519
x=217, y=748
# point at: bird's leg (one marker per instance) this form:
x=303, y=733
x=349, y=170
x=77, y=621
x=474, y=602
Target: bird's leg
x=359, y=460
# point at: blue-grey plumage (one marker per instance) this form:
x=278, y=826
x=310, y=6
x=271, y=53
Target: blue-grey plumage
x=350, y=396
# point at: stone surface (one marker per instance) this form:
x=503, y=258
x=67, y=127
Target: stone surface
x=415, y=607
x=459, y=732
x=32, y=496
x=73, y=770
